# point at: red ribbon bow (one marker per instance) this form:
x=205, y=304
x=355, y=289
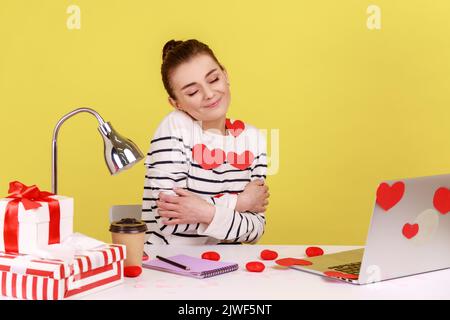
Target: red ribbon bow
x=29, y=197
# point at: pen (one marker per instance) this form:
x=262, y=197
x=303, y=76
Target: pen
x=176, y=264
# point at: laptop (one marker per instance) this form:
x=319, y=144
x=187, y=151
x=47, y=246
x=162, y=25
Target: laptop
x=409, y=233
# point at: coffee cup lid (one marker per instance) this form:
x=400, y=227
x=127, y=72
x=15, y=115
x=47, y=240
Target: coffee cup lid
x=128, y=225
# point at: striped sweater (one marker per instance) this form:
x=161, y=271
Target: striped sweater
x=212, y=166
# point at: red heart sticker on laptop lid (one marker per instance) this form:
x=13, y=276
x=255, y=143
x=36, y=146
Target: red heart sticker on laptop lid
x=388, y=196
x=410, y=230
x=441, y=200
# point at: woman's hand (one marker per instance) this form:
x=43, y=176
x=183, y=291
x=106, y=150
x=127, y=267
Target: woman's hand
x=254, y=198
x=185, y=208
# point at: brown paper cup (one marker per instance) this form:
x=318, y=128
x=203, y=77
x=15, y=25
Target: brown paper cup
x=131, y=233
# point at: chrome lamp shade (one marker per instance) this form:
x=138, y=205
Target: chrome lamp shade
x=120, y=153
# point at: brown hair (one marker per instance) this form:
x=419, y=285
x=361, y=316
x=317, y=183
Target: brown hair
x=177, y=52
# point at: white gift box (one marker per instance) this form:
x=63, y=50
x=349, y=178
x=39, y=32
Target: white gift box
x=33, y=227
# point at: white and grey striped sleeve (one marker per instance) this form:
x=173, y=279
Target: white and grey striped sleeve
x=228, y=200
x=166, y=168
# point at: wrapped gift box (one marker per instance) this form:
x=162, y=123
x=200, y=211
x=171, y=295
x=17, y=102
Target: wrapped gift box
x=34, y=225
x=31, y=278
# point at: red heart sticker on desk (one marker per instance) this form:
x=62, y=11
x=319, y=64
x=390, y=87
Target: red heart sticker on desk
x=268, y=255
x=388, y=196
x=255, y=266
x=132, y=271
x=287, y=262
x=211, y=255
x=314, y=251
x=441, y=200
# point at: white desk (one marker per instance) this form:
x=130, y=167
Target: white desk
x=272, y=284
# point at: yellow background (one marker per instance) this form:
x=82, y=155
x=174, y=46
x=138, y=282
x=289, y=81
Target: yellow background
x=353, y=106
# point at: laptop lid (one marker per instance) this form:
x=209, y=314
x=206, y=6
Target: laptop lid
x=409, y=232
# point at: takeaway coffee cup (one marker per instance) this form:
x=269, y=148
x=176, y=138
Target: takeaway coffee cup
x=131, y=233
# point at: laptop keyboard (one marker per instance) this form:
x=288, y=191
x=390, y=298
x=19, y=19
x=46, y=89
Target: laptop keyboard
x=350, y=268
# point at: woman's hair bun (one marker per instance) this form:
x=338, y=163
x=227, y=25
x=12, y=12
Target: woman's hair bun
x=170, y=45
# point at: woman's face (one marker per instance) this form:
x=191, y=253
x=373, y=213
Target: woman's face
x=201, y=88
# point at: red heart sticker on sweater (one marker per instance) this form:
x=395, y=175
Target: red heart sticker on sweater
x=207, y=159
x=441, y=200
x=287, y=262
x=235, y=128
x=388, y=196
x=314, y=251
x=241, y=161
x=410, y=230
x=255, y=266
x=337, y=274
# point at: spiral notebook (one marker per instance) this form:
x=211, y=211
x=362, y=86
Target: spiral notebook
x=199, y=268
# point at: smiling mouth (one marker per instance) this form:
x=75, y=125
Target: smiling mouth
x=214, y=104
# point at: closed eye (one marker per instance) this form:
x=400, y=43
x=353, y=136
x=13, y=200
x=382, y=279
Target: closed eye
x=193, y=93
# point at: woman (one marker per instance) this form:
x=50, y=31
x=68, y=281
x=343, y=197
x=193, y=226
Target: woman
x=204, y=182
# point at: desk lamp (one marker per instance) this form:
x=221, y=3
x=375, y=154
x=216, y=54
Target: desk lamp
x=120, y=152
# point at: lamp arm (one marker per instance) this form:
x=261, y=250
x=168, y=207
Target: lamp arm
x=55, y=136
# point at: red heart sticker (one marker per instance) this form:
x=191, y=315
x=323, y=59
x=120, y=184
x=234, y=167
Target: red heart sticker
x=314, y=251
x=207, y=159
x=211, y=255
x=255, y=266
x=337, y=274
x=441, y=200
x=132, y=271
x=241, y=161
x=287, y=262
x=268, y=255
x=410, y=230
x=235, y=128
x=388, y=196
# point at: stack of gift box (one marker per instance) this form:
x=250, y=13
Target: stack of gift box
x=33, y=221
